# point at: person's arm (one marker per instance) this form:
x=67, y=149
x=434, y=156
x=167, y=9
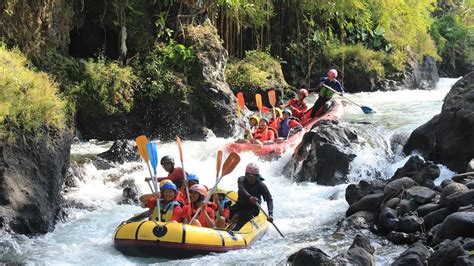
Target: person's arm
x=177, y=211
x=208, y=215
x=267, y=196
x=240, y=184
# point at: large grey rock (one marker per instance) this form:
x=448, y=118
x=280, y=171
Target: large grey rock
x=354, y=192
x=427, y=208
x=449, y=190
x=436, y=217
x=454, y=142
x=359, y=253
x=326, y=152
x=396, y=186
x=421, y=195
x=388, y=220
x=370, y=203
x=460, y=199
x=446, y=253
x=409, y=224
x=456, y=225
x=417, y=254
x=423, y=173
x=310, y=256
x=423, y=139
x=121, y=151
x=32, y=171
x=358, y=220
x=470, y=166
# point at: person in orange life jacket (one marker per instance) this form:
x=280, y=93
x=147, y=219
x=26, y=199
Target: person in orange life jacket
x=170, y=208
x=297, y=105
x=192, y=180
x=251, y=190
x=275, y=123
x=222, y=210
x=287, y=123
x=253, y=123
x=206, y=217
x=326, y=94
x=175, y=174
x=263, y=133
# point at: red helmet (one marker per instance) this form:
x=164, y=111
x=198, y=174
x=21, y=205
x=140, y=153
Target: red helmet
x=332, y=73
x=201, y=189
x=252, y=168
x=304, y=92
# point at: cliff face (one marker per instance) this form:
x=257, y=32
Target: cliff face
x=448, y=138
x=32, y=170
x=37, y=24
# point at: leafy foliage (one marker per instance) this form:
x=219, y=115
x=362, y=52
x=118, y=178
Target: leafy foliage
x=106, y=88
x=256, y=70
x=28, y=99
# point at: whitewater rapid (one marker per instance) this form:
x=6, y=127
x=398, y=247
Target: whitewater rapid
x=306, y=213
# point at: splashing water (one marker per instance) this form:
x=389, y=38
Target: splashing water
x=306, y=213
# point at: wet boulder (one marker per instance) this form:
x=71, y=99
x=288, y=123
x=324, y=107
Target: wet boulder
x=370, y=203
x=355, y=192
x=310, y=256
x=458, y=224
x=387, y=220
x=421, y=195
x=121, y=151
x=436, y=217
x=423, y=173
x=447, y=252
x=460, y=199
x=470, y=166
x=130, y=192
x=451, y=189
x=409, y=224
x=427, y=208
x=416, y=255
x=359, y=253
x=400, y=238
x=396, y=186
x=324, y=154
x=453, y=146
x=358, y=220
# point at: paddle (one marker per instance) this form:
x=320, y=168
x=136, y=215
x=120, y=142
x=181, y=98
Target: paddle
x=240, y=100
x=153, y=154
x=229, y=165
x=258, y=99
x=218, y=163
x=178, y=141
x=260, y=207
x=365, y=109
x=142, y=149
x=272, y=99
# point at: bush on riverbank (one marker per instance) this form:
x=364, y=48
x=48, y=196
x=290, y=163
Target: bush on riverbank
x=28, y=99
x=257, y=70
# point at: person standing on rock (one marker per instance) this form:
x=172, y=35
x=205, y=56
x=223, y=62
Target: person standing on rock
x=326, y=94
x=251, y=190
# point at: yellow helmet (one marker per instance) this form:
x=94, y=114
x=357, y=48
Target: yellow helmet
x=278, y=110
x=255, y=117
x=164, y=182
x=220, y=191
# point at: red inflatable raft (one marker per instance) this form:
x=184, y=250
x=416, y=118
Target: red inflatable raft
x=334, y=112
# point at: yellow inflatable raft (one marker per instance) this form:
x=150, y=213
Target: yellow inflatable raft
x=141, y=237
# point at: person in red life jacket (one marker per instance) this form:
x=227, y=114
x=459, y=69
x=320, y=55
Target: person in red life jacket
x=192, y=180
x=275, y=123
x=206, y=217
x=170, y=208
x=287, y=124
x=297, y=105
x=263, y=133
x=175, y=174
x=326, y=94
x=251, y=190
x=222, y=211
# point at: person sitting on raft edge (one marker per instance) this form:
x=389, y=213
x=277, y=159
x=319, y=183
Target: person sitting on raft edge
x=298, y=105
x=263, y=133
x=287, y=124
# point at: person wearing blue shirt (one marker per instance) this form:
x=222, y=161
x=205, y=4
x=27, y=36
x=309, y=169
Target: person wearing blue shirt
x=326, y=94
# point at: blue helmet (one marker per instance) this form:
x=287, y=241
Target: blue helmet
x=169, y=185
x=288, y=111
x=193, y=177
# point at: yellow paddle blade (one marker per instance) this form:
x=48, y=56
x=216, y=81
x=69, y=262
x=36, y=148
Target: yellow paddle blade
x=230, y=163
x=258, y=99
x=178, y=141
x=240, y=100
x=141, y=144
x=238, y=111
x=272, y=97
x=218, y=162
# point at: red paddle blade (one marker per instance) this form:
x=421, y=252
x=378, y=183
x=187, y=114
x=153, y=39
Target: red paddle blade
x=240, y=100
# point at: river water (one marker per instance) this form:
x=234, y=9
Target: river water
x=306, y=213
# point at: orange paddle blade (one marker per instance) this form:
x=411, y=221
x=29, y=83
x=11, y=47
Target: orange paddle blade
x=240, y=100
x=178, y=141
x=272, y=97
x=218, y=162
x=230, y=163
x=238, y=111
x=141, y=144
x=258, y=99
